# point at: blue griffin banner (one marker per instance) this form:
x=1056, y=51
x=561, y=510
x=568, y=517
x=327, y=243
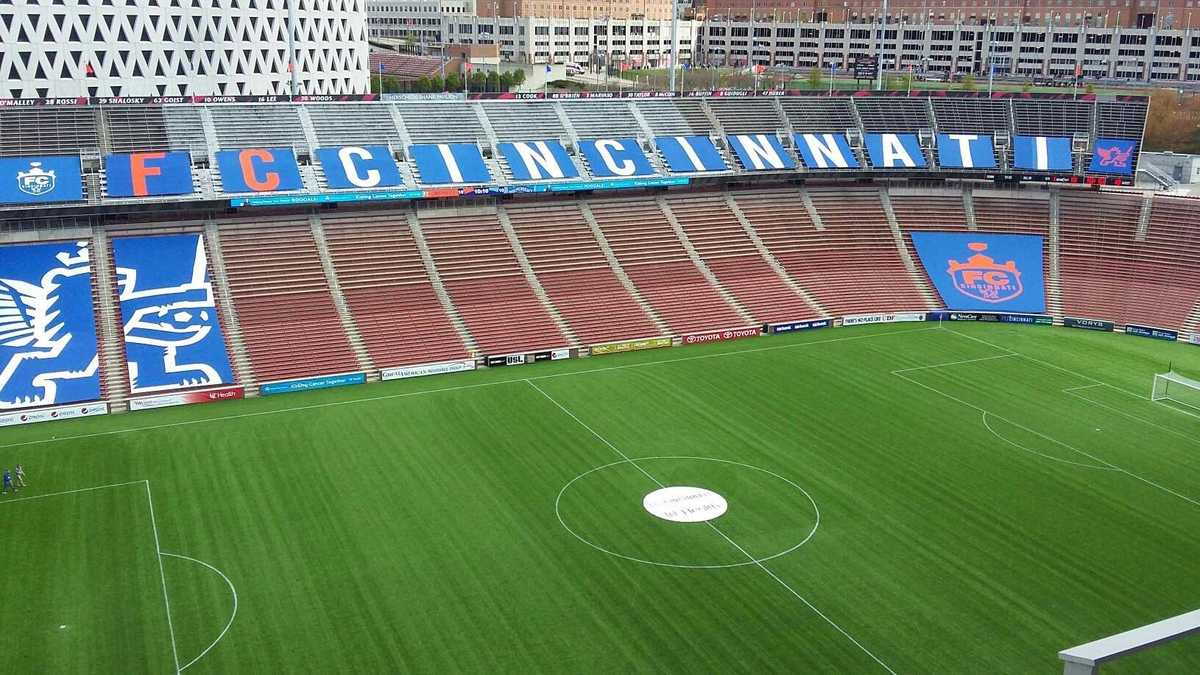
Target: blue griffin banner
x=825, y=151
x=690, y=154
x=966, y=151
x=967, y=270
x=173, y=339
x=538, y=160
x=40, y=180
x=363, y=167
x=1042, y=153
x=450, y=163
x=894, y=151
x=47, y=326
x=1112, y=155
x=148, y=174
x=616, y=158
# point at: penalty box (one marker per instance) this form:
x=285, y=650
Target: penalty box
x=82, y=582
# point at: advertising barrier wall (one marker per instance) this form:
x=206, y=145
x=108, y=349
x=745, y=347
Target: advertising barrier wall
x=1195, y=339
x=66, y=412
x=1151, y=332
x=984, y=271
x=722, y=335
x=630, y=346
x=552, y=355
x=186, y=398
x=504, y=360
x=998, y=317
x=792, y=326
x=896, y=317
x=405, y=372
x=1087, y=324
x=312, y=383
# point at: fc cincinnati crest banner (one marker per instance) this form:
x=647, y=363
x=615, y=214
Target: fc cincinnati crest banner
x=984, y=271
x=40, y=180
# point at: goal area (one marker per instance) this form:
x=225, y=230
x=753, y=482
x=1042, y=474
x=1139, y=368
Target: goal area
x=1172, y=386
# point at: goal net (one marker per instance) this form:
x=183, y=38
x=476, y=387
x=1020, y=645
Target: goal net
x=1176, y=388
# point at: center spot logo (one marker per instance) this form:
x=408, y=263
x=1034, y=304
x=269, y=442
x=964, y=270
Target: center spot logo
x=683, y=504
x=982, y=278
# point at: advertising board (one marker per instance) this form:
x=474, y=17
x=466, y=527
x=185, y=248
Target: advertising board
x=630, y=346
x=63, y=412
x=186, y=398
x=1151, y=332
x=405, y=372
x=722, y=335
x=1087, y=324
x=312, y=383
x=792, y=326
x=895, y=317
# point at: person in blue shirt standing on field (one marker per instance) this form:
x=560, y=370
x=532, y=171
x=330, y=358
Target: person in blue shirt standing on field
x=7, y=483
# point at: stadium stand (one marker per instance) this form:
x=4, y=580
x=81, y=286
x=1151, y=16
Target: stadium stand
x=894, y=116
x=524, y=121
x=441, y=122
x=352, y=124
x=283, y=302
x=50, y=131
x=405, y=66
x=820, y=114
x=603, y=119
x=383, y=278
x=481, y=273
x=257, y=126
x=654, y=258
x=1051, y=118
x=730, y=253
x=746, y=116
x=573, y=269
x=684, y=117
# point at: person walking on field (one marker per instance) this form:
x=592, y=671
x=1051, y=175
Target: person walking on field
x=19, y=476
x=8, y=484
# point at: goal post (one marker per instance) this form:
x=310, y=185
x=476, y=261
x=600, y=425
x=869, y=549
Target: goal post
x=1172, y=386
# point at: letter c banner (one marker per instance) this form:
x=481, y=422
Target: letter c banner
x=259, y=170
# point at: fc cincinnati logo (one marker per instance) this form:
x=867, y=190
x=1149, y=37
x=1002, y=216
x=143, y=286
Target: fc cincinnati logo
x=982, y=278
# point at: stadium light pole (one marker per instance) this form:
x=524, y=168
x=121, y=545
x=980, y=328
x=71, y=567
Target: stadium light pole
x=674, y=42
x=291, y=18
x=879, y=56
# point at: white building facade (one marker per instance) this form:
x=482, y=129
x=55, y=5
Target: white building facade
x=182, y=47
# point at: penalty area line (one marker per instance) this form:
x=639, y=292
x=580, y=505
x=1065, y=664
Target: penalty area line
x=724, y=536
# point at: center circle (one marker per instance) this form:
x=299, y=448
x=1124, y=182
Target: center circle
x=674, y=525
x=680, y=504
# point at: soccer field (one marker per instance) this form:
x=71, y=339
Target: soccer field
x=908, y=498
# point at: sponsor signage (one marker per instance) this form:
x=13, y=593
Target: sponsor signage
x=982, y=271
x=66, y=412
x=505, y=360
x=895, y=317
x=1151, y=332
x=41, y=180
x=186, y=398
x=792, y=326
x=405, y=372
x=560, y=354
x=1195, y=339
x=630, y=346
x=312, y=383
x=1087, y=324
x=722, y=335
x=1032, y=319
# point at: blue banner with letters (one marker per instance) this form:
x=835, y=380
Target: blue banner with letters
x=41, y=180
x=760, y=152
x=359, y=167
x=1151, y=332
x=690, y=154
x=825, y=151
x=1112, y=155
x=616, y=158
x=173, y=339
x=48, y=350
x=966, y=151
x=894, y=151
x=450, y=164
x=148, y=174
x=312, y=383
x=259, y=170
x=538, y=160
x=793, y=326
x=1042, y=153
x=984, y=271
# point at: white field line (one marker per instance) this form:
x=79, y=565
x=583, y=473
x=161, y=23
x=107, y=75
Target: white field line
x=232, y=616
x=163, y=576
x=1188, y=437
x=1090, y=456
x=478, y=385
x=1052, y=458
x=70, y=492
x=954, y=363
x=744, y=552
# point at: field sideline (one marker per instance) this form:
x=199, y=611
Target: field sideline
x=903, y=498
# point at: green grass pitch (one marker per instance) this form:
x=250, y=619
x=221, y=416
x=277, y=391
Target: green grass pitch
x=968, y=498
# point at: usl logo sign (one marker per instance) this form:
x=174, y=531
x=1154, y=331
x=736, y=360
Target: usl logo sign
x=978, y=271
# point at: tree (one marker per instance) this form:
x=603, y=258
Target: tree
x=814, y=78
x=1171, y=122
x=453, y=82
x=423, y=85
x=1090, y=89
x=518, y=76
x=478, y=81
x=493, y=81
x=436, y=83
x=968, y=82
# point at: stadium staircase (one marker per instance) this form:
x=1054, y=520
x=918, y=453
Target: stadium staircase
x=926, y=209
x=1144, y=218
x=1053, y=257
x=439, y=289
x=578, y=277
x=339, y=300
x=239, y=357
x=485, y=281
x=388, y=291
x=660, y=325
x=763, y=251
x=712, y=278
x=650, y=252
x=917, y=275
x=813, y=216
x=282, y=298
x=563, y=326
x=114, y=374
x=728, y=251
x=968, y=206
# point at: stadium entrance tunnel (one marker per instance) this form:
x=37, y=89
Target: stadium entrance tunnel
x=622, y=509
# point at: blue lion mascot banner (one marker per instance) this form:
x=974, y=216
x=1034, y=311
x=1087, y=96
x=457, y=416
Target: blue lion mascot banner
x=983, y=271
x=48, y=350
x=173, y=339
